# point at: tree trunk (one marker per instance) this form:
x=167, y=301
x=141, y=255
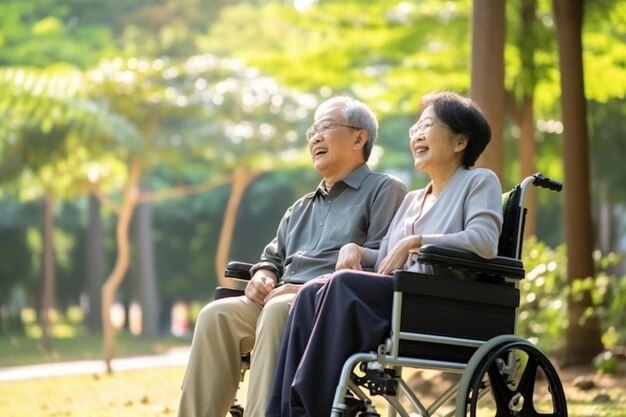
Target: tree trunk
x=241, y=178
x=112, y=283
x=606, y=226
x=94, y=264
x=487, y=83
x=48, y=278
x=146, y=272
x=583, y=334
x=526, y=123
x=527, y=40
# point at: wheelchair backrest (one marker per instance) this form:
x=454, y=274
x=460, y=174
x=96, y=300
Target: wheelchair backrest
x=514, y=218
x=514, y=214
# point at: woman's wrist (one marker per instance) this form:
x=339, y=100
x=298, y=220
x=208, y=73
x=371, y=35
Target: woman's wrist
x=414, y=243
x=356, y=248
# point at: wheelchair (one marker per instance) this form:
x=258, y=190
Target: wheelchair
x=463, y=328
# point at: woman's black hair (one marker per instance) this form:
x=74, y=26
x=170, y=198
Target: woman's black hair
x=461, y=115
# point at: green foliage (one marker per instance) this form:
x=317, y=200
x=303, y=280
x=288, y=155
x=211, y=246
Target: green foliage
x=197, y=87
x=543, y=307
x=186, y=230
x=45, y=117
x=22, y=350
x=606, y=363
x=40, y=32
x=544, y=297
x=387, y=54
x=606, y=126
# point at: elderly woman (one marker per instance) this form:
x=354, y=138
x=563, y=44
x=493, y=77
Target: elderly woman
x=346, y=313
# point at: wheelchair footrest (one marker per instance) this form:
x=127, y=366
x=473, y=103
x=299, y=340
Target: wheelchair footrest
x=378, y=382
x=355, y=407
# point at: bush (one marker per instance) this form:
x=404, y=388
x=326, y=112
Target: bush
x=543, y=316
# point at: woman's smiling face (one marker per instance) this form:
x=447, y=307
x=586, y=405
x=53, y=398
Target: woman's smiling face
x=433, y=143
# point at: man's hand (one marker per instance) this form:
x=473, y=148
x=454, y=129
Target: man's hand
x=349, y=257
x=260, y=285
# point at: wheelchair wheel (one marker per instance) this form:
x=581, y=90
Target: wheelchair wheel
x=510, y=377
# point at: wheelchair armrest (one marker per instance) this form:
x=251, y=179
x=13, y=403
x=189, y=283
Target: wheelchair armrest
x=223, y=292
x=451, y=258
x=238, y=270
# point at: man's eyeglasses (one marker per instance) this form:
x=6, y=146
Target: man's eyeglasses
x=323, y=127
x=423, y=125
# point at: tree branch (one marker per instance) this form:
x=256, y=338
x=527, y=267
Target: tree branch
x=183, y=190
x=104, y=199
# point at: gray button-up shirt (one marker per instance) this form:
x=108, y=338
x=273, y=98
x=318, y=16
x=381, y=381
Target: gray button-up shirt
x=357, y=209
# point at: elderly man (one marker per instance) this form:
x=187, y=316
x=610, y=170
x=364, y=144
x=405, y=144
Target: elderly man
x=351, y=204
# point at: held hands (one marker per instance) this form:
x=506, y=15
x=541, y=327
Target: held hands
x=349, y=257
x=397, y=257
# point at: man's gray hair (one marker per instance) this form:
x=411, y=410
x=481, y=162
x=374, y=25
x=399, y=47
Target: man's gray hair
x=357, y=114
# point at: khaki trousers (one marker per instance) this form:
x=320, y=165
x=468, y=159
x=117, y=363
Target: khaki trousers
x=225, y=330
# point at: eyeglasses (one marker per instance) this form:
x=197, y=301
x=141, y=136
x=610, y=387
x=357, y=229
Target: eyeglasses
x=424, y=125
x=323, y=127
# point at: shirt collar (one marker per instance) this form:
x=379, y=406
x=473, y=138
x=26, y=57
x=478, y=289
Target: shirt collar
x=353, y=180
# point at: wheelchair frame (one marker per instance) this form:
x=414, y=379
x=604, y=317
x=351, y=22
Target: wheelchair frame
x=486, y=357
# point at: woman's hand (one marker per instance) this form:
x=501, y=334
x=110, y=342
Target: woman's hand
x=397, y=257
x=349, y=257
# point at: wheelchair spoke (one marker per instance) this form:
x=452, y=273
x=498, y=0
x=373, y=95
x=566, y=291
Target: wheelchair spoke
x=522, y=383
x=499, y=387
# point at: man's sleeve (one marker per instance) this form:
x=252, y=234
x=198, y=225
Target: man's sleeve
x=384, y=206
x=273, y=256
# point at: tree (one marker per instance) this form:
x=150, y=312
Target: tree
x=95, y=264
x=583, y=334
x=487, y=69
x=521, y=102
x=198, y=111
x=44, y=118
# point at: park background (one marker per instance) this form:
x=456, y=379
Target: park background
x=144, y=143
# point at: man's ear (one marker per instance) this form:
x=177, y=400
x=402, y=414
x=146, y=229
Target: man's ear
x=360, y=139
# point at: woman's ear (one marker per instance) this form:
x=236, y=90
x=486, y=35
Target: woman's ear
x=460, y=142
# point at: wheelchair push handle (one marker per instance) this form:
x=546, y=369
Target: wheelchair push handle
x=545, y=182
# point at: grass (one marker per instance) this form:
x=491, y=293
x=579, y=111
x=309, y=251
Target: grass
x=151, y=392
x=155, y=392
x=23, y=350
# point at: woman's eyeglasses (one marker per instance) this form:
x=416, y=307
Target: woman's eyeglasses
x=424, y=125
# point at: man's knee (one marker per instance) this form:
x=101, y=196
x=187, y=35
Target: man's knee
x=276, y=309
x=224, y=313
